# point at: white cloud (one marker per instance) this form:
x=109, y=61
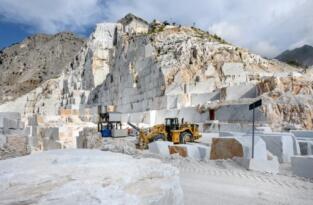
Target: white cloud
x=265, y=48
x=228, y=31
x=264, y=26
x=53, y=15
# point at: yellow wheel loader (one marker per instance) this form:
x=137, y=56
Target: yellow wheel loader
x=170, y=131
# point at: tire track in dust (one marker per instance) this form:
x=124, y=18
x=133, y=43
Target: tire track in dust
x=258, y=178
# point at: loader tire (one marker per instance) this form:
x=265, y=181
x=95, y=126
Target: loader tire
x=185, y=137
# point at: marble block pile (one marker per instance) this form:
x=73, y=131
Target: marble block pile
x=13, y=136
x=89, y=138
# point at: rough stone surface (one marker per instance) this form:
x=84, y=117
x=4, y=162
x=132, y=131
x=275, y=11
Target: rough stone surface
x=228, y=148
x=192, y=151
x=8, y=116
x=107, y=178
x=26, y=65
x=160, y=147
x=225, y=148
x=302, y=166
x=283, y=146
x=89, y=138
x=51, y=138
x=15, y=146
x=306, y=147
x=303, y=134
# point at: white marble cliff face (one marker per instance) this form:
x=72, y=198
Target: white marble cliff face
x=167, y=69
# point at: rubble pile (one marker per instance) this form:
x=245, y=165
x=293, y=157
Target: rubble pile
x=89, y=138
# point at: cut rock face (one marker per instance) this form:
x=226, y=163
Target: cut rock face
x=88, y=177
x=283, y=145
x=226, y=148
x=239, y=148
x=302, y=166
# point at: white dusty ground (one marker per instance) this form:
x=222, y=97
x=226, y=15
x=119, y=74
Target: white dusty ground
x=225, y=182
x=222, y=182
x=87, y=177
x=101, y=177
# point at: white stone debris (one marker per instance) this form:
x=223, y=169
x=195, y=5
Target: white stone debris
x=88, y=177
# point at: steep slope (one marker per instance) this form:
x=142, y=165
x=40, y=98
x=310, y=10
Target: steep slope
x=302, y=56
x=24, y=66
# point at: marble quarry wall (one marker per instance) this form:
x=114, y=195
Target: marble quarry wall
x=176, y=68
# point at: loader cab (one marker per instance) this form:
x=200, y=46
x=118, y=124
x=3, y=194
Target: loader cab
x=171, y=124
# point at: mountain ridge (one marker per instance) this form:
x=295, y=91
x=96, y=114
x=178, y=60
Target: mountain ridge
x=302, y=56
x=36, y=59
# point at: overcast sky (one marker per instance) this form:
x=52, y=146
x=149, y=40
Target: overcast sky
x=266, y=27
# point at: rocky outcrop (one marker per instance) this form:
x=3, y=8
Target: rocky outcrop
x=26, y=65
x=288, y=101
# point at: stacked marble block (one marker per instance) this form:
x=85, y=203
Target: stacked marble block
x=47, y=132
x=13, y=135
x=135, y=84
x=176, y=99
x=37, y=139
x=89, y=138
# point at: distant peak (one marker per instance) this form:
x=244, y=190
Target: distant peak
x=301, y=56
x=306, y=46
x=129, y=17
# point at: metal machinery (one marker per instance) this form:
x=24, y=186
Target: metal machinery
x=108, y=121
x=170, y=131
